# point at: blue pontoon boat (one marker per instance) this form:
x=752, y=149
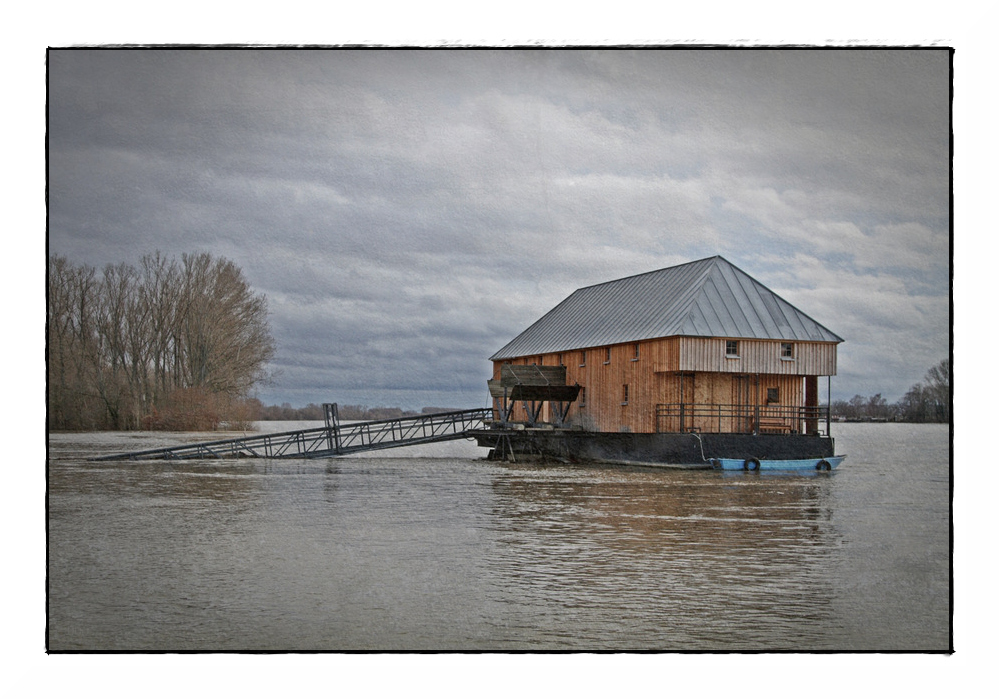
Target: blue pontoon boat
x=752, y=464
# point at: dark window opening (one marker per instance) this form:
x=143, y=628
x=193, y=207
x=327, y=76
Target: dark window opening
x=732, y=348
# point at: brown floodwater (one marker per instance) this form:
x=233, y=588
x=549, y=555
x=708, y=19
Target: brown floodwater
x=432, y=548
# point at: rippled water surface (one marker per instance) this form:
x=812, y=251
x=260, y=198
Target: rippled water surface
x=431, y=548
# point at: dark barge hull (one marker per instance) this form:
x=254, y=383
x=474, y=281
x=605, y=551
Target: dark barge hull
x=677, y=450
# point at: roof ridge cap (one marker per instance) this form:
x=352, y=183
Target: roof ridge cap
x=653, y=271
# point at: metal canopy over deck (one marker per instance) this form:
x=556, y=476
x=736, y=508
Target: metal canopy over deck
x=533, y=385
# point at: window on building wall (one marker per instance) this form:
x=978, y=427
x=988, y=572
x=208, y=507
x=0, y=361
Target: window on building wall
x=787, y=350
x=634, y=357
x=607, y=356
x=624, y=396
x=772, y=395
x=731, y=348
x=582, y=361
x=560, y=359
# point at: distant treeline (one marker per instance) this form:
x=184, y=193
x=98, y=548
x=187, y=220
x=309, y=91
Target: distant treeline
x=165, y=345
x=924, y=402
x=346, y=412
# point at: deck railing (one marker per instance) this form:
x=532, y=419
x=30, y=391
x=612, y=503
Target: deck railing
x=742, y=419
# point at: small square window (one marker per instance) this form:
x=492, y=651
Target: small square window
x=787, y=350
x=772, y=396
x=732, y=348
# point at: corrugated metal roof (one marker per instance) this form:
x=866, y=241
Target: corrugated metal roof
x=707, y=298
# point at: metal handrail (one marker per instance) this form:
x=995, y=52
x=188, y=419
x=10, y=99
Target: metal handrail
x=332, y=440
x=741, y=419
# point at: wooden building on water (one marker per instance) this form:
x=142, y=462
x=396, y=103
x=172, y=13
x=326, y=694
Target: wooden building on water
x=697, y=348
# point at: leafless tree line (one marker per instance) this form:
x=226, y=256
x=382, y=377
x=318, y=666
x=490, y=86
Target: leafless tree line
x=924, y=402
x=167, y=344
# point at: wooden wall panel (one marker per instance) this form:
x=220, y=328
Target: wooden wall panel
x=758, y=357
x=603, y=406
x=653, y=377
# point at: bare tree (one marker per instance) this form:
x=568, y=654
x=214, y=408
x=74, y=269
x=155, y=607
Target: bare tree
x=61, y=370
x=159, y=292
x=223, y=329
x=163, y=338
x=938, y=390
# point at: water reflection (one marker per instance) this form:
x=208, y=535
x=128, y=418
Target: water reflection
x=708, y=559
x=331, y=483
x=450, y=552
x=234, y=482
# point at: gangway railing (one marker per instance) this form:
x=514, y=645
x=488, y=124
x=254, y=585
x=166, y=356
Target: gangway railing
x=335, y=439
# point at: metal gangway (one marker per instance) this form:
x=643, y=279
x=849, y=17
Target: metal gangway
x=335, y=439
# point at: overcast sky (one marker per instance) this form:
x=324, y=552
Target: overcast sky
x=407, y=213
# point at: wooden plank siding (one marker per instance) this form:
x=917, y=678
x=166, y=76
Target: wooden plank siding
x=664, y=370
x=757, y=357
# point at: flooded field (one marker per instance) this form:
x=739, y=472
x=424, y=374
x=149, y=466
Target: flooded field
x=432, y=548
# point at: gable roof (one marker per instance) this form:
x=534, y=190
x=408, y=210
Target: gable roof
x=707, y=298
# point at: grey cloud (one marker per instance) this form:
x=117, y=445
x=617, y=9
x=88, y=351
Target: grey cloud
x=407, y=212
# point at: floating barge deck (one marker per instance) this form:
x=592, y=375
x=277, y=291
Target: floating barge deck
x=674, y=450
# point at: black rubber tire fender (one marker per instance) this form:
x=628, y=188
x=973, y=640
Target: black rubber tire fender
x=823, y=465
x=751, y=464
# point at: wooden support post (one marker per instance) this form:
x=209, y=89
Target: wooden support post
x=812, y=404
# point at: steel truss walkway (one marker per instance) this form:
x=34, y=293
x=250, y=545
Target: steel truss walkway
x=332, y=440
